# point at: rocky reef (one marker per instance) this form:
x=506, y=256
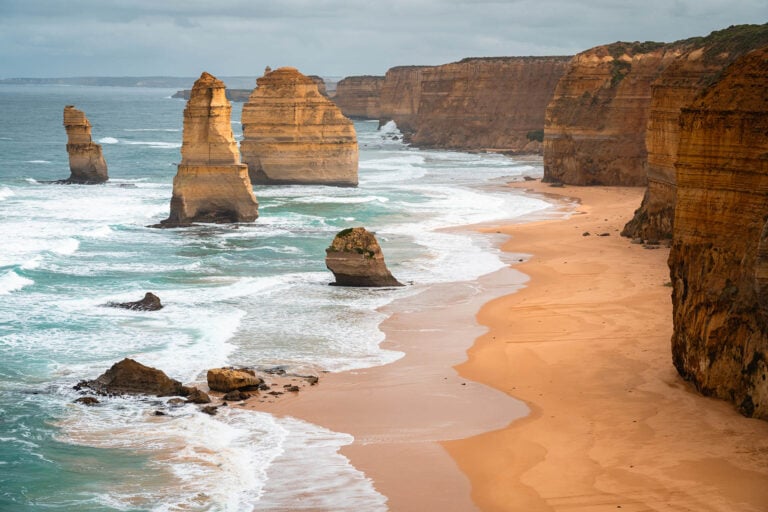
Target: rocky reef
x=292, y=134
x=359, y=97
x=719, y=257
x=355, y=258
x=494, y=104
x=701, y=63
x=211, y=185
x=150, y=302
x=86, y=161
x=595, y=125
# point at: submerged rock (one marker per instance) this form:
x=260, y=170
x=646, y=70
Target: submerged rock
x=86, y=161
x=150, y=302
x=355, y=258
x=230, y=379
x=87, y=400
x=133, y=378
x=211, y=185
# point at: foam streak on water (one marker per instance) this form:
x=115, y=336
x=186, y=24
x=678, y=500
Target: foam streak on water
x=254, y=294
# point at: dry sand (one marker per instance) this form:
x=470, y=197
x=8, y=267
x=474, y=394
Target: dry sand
x=585, y=345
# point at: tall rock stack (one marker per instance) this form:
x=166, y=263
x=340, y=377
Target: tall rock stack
x=211, y=185
x=719, y=257
x=86, y=161
x=292, y=134
x=704, y=59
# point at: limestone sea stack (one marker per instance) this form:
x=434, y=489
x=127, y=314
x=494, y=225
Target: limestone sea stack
x=211, y=185
x=719, y=257
x=355, y=258
x=292, y=134
x=86, y=161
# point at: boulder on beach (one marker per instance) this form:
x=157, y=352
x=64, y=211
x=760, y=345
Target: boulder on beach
x=355, y=258
x=133, y=378
x=150, y=302
x=231, y=379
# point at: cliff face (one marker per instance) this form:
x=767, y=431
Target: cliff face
x=359, y=97
x=676, y=87
x=595, y=124
x=719, y=258
x=488, y=103
x=400, y=97
x=86, y=161
x=293, y=134
x=211, y=185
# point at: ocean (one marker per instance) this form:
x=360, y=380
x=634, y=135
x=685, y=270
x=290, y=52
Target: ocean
x=250, y=294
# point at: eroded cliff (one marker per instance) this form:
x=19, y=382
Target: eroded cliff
x=492, y=104
x=294, y=134
x=400, y=97
x=704, y=59
x=86, y=161
x=719, y=257
x=359, y=97
x=595, y=125
x=211, y=185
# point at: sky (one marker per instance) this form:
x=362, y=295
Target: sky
x=65, y=38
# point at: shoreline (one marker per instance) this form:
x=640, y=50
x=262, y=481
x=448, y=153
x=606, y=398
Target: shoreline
x=586, y=347
x=399, y=413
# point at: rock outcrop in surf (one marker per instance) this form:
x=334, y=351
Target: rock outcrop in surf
x=86, y=160
x=211, y=184
x=355, y=258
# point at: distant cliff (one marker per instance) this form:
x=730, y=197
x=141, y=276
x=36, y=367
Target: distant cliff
x=719, y=258
x=475, y=104
x=359, y=97
x=595, y=124
x=704, y=59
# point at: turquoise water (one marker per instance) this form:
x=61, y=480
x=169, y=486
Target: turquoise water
x=253, y=294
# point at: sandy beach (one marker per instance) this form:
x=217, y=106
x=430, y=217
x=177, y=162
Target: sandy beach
x=567, y=400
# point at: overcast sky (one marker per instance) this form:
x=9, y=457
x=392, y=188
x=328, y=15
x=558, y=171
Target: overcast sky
x=58, y=38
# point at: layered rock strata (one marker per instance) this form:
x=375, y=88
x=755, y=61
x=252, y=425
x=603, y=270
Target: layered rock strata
x=86, y=161
x=355, y=258
x=211, y=185
x=231, y=379
x=292, y=134
x=493, y=104
x=401, y=96
x=719, y=257
x=704, y=59
x=595, y=125
x=359, y=97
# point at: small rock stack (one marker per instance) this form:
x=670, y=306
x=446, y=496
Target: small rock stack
x=86, y=161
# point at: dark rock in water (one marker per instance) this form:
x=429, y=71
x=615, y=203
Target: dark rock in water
x=150, y=302
x=176, y=402
x=355, y=258
x=196, y=396
x=236, y=396
x=210, y=409
x=159, y=413
x=87, y=400
x=133, y=378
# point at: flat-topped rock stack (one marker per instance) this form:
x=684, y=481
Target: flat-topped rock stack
x=211, y=184
x=292, y=134
x=86, y=161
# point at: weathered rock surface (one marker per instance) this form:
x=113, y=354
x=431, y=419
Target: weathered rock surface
x=211, y=185
x=494, y=104
x=704, y=59
x=131, y=377
x=359, y=97
x=150, y=302
x=719, y=257
x=230, y=379
x=355, y=258
x=86, y=161
x=595, y=124
x=292, y=134
x=197, y=396
x=401, y=96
